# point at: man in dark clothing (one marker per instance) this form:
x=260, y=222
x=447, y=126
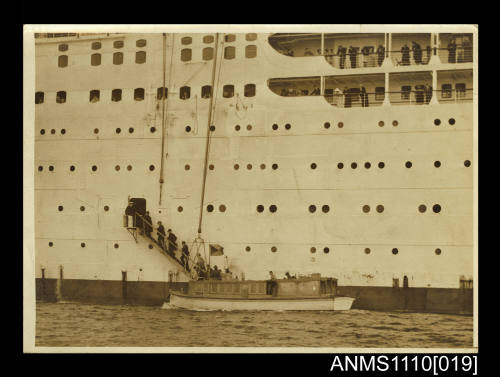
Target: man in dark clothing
x=347, y=97
x=364, y=96
x=130, y=212
x=428, y=93
x=217, y=274
x=341, y=52
x=172, y=246
x=380, y=55
x=148, y=224
x=161, y=235
x=405, y=55
x=185, y=255
x=452, y=51
x=352, y=56
x=417, y=53
x=271, y=284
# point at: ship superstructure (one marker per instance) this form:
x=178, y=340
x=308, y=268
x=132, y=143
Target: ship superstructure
x=344, y=154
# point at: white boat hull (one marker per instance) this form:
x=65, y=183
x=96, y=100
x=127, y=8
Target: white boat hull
x=277, y=304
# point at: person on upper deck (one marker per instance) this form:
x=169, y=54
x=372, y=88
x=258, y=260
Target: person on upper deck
x=271, y=284
x=405, y=55
x=380, y=55
x=148, y=224
x=161, y=234
x=352, y=56
x=172, y=245
x=452, y=51
x=341, y=52
x=308, y=52
x=287, y=275
x=216, y=273
x=417, y=52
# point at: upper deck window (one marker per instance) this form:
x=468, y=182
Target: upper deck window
x=118, y=58
x=140, y=43
x=96, y=45
x=94, y=96
x=249, y=90
x=185, y=92
x=208, y=53
x=460, y=90
x=230, y=37
x=140, y=57
x=61, y=96
x=39, y=96
x=118, y=44
x=379, y=93
x=186, y=54
x=208, y=39
x=446, y=91
x=251, y=36
x=159, y=93
x=63, y=47
x=229, y=52
x=139, y=94
x=251, y=51
x=62, y=61
x=95, y=59
x=206, y=91
x=228, y=91
x=116, y=95
x=186, y=40
x=405, y=92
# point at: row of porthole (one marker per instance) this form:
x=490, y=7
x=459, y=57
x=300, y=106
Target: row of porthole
x=116, y=246
x=98, y=45
x=82, y=208
x=94, y=168
x=326, y=250
x=96, y=131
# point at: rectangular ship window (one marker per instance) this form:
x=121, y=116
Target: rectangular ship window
x=39, y=97
x=405, y=92
x=460, y=90
x=446, y=91
x=159, y=93
x=61, y=97
x=94, y=96
x=379, y=93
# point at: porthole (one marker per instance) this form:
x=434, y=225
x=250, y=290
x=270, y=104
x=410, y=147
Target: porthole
x=116, y=246
x=288, y=126
x=437, y=122
x=249, y=166
x=222, y=208
x=367, y=250
x=422, y=208
x=129, y=167
x=117, y=167
x=274, y=249
x=106, y=208
x=354, y=165
x=326, y=250
x=249, y=127
x=436, y=208
x=273, y=208
x=131, y=130
x=42, y=132
x=451, y=121
x=395, y=251
x=211, y=166
x=312, y=208
x=381, y=165
x=340, y=125
x=82, y=244
x=467, y=163
x=313, y=166
x=325, y=208
x=151, y=167
x=438, y=251
x=340, y=165
x=60, y=208
x=275, y=126
x=51, y=168
x=63, y=131
x=40, y=168
x=150, y=246
x=326, y=125
x=408, y=164
x=179, y=209
x=437, y=164
x=262, y=166
x=210, y=208
x=51, y=244
x=275, y=166
x=247, y=248
x=94, y=168
x=82, y=208
x=187, y=167
x=152, y=130
x=212, y=128
x=313, y=250
x=395, y=123
x=260, y=208
x=96, y=130
x=52, y=131
x=367, y=165
x=366, y=208
x=381, y=123
x=236, y=166
x=380, y=208
x=188, y=129
x=237, y=127
x=118, y=130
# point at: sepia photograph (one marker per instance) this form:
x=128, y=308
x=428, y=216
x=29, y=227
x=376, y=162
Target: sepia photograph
x=250, y=188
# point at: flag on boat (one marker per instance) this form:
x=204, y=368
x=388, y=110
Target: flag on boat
x=216, y=250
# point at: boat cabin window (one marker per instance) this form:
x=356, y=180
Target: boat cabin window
x=39, y=96
x=159, y=93
x=206, y=91
x=95, y=59
x=460, y=90
x=63, y=47
x=446, y=90
x=228, y=91
x=140, y=57
x=229, y=52
x=208, y=39
x=405, y=92
x=96, y=45
x=94, y=96
x=229, y=37
x=118, y=58
x=250, y=51
x=140, y=43
x=118, y=44
x=379, y=93
x=61, y=97
x=139, y=94
x=185, y=92
x=295, y=87
x=62, y=61
x=186, y=54
x=208, y=53
x=116, y=95
x=186, y=40
x=249, y=90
